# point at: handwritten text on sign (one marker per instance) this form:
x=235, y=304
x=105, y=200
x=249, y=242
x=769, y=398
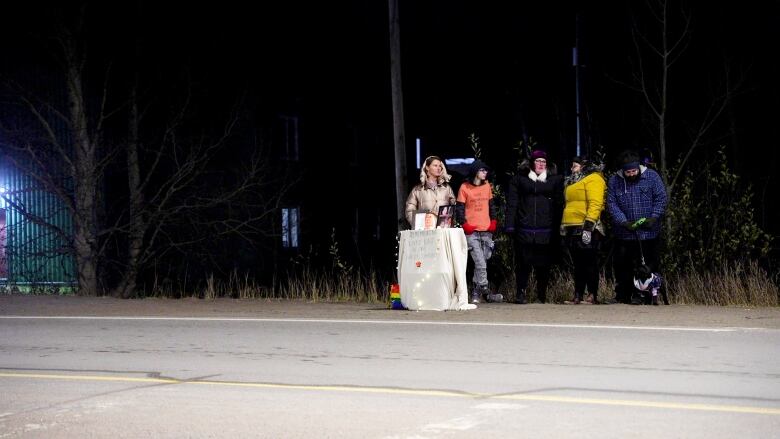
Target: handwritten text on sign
x=421, y=246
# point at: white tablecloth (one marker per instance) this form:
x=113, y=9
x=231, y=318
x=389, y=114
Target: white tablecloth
x=432, y=269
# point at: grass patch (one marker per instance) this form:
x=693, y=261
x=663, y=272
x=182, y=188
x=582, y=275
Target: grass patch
x=738, y=285
x=741, y=285
x=303, y=284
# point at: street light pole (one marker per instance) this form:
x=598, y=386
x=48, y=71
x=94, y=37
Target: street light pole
x=576, y=63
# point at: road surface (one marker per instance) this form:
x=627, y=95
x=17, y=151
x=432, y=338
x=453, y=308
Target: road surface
x=76, y=367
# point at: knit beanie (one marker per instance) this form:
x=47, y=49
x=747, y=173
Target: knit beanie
x=538, y=154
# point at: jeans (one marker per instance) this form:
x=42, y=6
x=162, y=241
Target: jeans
x=480, y=249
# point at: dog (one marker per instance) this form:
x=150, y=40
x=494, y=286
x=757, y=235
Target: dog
x=648, y=285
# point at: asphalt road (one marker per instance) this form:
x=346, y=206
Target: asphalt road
x=401, y=375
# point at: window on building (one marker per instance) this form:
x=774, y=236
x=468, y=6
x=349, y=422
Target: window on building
x=287, y=135
x=290, y=226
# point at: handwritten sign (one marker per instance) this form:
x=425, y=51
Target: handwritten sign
x=420, y=247
x=432, y=269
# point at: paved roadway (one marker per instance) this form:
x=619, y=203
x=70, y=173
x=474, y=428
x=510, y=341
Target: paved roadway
x=68, y=377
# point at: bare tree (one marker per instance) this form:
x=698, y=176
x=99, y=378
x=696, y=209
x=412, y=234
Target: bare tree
x=655, y=59
x=136, y=223
x=657, y=51
x=68, y=166
x=176, y=189
x=177, y=196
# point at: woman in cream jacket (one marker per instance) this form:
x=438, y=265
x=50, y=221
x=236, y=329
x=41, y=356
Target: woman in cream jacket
x=434, y=190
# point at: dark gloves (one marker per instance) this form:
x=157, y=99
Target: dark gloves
x=638, y=223
x=588, y=226
x=468, y=228
x=492, y=227
x=649, y=223
x=644, y=223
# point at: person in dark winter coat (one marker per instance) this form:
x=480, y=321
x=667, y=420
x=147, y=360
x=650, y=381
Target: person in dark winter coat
x=476, y=212
x=534, y=207
x=636, y=201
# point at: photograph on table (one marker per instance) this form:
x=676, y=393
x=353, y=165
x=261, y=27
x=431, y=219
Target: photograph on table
x=424, y=220
x=445, y=216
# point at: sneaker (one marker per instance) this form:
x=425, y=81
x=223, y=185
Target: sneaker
x=655, y=300
x=589, y=300
x=475, y=298
x=498, y=297
x=575, y=301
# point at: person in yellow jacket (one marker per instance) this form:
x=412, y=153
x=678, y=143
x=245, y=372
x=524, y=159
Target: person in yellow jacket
x=584, y=195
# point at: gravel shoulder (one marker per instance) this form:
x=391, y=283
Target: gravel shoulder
x=671, y=316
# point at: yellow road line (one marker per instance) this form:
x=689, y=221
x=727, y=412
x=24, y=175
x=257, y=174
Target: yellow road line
x=442, y=393
x=639, y=403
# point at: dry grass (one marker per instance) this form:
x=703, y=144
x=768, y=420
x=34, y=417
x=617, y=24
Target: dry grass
x=743, y=285
x=748, y=285
x=560, y=288
x=307, y=284
x=740, y=285
x=328, y=287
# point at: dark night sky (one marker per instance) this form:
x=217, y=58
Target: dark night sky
x=467, y=65
x=499, y=69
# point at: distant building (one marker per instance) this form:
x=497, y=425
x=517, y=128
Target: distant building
x=35, y=230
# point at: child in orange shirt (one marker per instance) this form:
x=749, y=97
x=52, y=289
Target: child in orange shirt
x=476, y=212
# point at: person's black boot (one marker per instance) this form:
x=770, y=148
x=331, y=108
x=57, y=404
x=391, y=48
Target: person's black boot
x=476, y=296
x=520, y=297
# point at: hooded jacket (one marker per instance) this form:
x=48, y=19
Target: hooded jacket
x=628, y=201
x=534, y=206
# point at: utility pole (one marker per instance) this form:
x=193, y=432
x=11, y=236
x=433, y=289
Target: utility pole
x=576, y=63
x=399, y=137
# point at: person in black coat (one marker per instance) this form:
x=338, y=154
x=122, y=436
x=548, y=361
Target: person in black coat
x=534, y=208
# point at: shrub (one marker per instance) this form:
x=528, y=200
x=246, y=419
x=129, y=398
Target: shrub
x=710, y=222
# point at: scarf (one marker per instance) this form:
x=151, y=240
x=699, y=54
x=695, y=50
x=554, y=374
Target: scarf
x=573, y=178
x=541, y=177
x=586, y=170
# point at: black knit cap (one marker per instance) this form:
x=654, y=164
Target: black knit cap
x=476, y=165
